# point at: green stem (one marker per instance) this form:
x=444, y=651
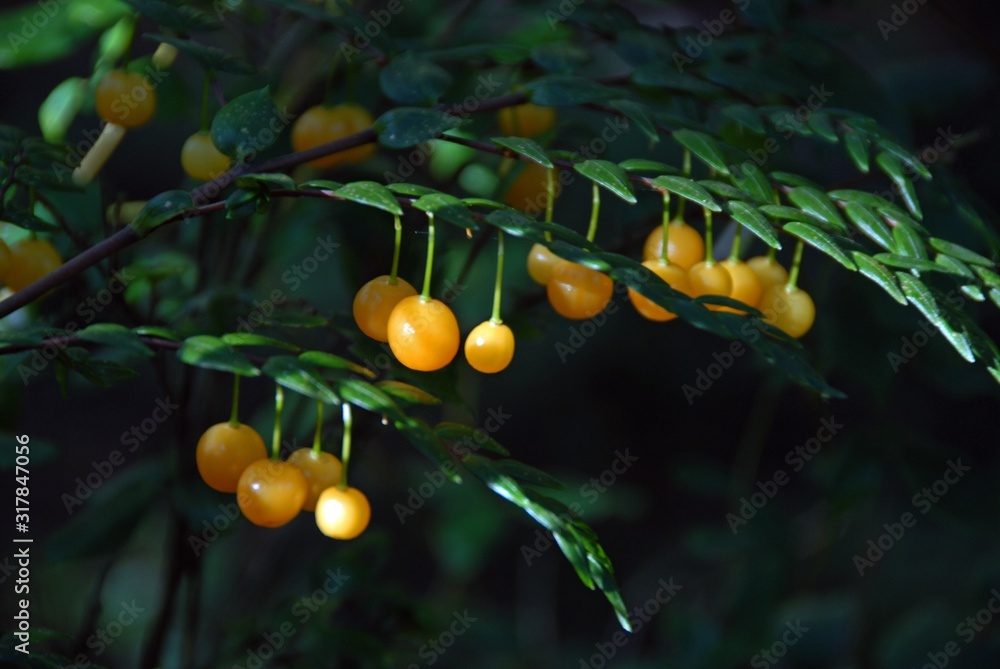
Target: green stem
x=686, y=171
x=398, y=227
x=425, y=294
x=709, y=241
x=205, y=90
x=498, y=288
x=279, y=403
x=665, y=251
x=594, y=211
x=318, y=436
x=345, y=447
x=793, y=275
x=127, y=55
x=550, y=202
x=772, y=254
x=234, y=420
x=734, y=252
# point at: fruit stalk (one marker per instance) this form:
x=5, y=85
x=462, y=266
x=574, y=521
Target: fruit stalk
x=345, y=446
x=498, y=287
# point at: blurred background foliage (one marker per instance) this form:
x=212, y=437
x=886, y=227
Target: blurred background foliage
x=463, y=552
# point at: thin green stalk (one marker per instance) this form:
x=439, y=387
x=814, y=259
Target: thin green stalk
x=709, y=241
x=734, y=252
x=234, y=420
x=550, y=202
x=498, y=288
x=279, y=403
x=345, y=446
x=594, y=211
x=318, y=436
x=425, y=294
x=793, y=275
x=772, y=253
x=665, y=251
x=398, y=227
x=686, y=171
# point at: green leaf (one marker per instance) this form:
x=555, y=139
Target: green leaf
x=471, y=438
x=519, y=225
x=794, y=180
x=995, y=297
x=47, y=178
x=407, y=393
x=921, y=297
x=954, y=266
x=753, y=180
x=428, y=443
x=909, y=242
x=880, y=275
x=449, y=208
x=156, y=331
x=820, y=123
x=404, y=127
x=859, y=149
x=251, y=339
x=871, y=225
x=266, y=180
x=747, y=116
x=725, y=191
x=893, y=168
x=369, y=397
x=984, y=348
x=608, y=174
x=212, y=353
x=59, y=109
x=212, y=59
x=321, y=184
x=28, y=221
x=162, y=208
x=782, y=212
x=558, y=90
x=821, y=241
x=525, y=147
x=299, y=376
x=297, y=320
x=705, y=147
x=411, y=190
x=413, y=80
x=989, y=277
x=908, y=262
x=528, y=474
x=819, y=204
x=687, y=189
x=754, y=221
x=974, y=293
x=241, y=203
x=911, y=161
x=960, y=252
x=242, y=128
x=640, y=115
x=324, y=359
x=644, y=165
x=372, y=194
x=103, y=373
x=117, y=336
x=182, y=18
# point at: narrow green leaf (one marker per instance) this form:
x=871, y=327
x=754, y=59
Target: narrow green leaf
x=528, y=474
x=266, y=180
x=893, y=168
x=372, y=194
x=922, y=298
x=754, y=221
x=909, y=242
x=528, y=148
x=369, y=397
x=56, y=113
x=407, y=393
x=333, y=361
x=156, y=331
x=909, y=159
x=794, y=180
x=995, y=296
x=212, y=59
x=297, y=375
x=954, y=266
x=908, y=262
x=448, y=208
x=608, y=174
x=859, y=150
x=413, y=80
x=213, y=353
x=117, y=336
x=404, y=127
x=821, y=241
x=973, y=292
x=472, y=439
x=559, y=57
x=182, y=18
x=644, y=165
x=871, y=225
x=558, y=90
x=160, y=209
x=688, y=189
x=640, y=115
x=428, y=443
x=960, y=252
x=28, y=221
x=880, y=275
x=782, y=212
x=519, y=225
x=819, y=204
x=747, y=116
x=821, y=125
x=251, y=339
x=753, y=180
x=410, y=190
x=724, y=190
x=989, y=277
x=321, y=184
x=705, y=147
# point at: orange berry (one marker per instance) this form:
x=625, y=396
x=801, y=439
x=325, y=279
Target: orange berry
x=201, y=160
x=578, y=292
x=540, y=263
x=270, y=492
x=423, y=334
x=526, y=120
x=342, y=514
x=789, y=309
x=489, y=348
x=686, y=247
x=321, y=470
x=769, y=272
x=374, y=303
x=676, y=278
x=746, y=285
x=224, y=451
x=30, y=260
x=125, y=98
